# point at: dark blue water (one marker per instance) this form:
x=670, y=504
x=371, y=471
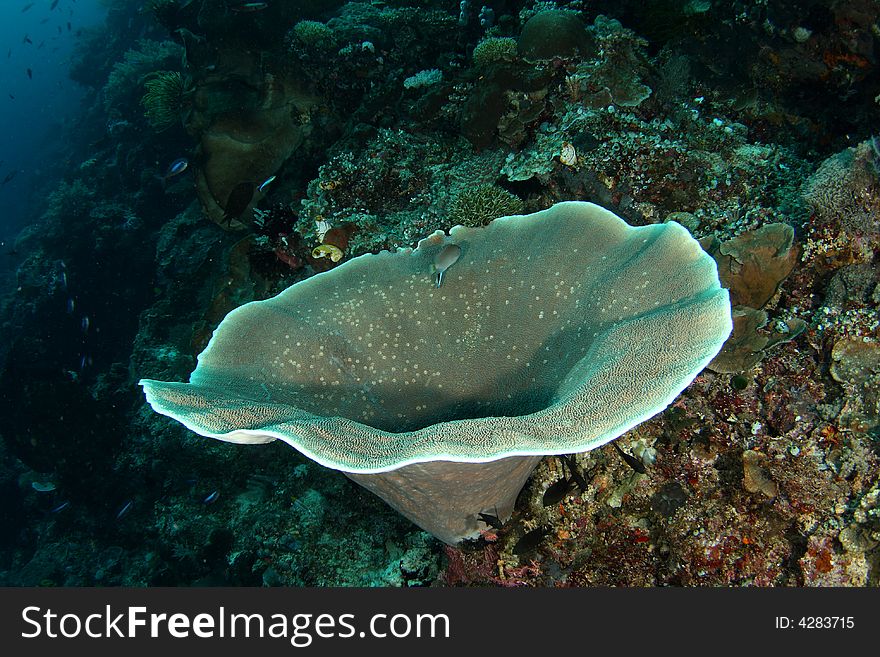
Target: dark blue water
x=34, y=109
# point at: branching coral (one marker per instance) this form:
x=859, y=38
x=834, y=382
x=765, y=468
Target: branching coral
x=494, y=49
x=480, y=205
x=311, y=34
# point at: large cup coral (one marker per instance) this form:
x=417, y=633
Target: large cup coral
x=248, y=123
x=551, y=333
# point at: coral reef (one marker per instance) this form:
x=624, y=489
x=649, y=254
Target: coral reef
x=751, y=124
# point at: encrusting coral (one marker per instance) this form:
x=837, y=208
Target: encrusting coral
x=442, y=399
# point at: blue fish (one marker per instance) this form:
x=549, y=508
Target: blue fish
x=248, y=7
x=125, y=509
x=211, y=498
x=266, y=183
x=177, y=167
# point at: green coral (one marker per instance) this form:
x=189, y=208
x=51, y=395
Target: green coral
x=164, y=100
x=480, y=205
x=127, y=75
x=313, y=34
x=494, y=49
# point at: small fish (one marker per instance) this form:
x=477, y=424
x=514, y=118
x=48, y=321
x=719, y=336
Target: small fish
x=71, y=305
x=26, y=39
x=176, y=168
x=60, y=507
x=211, y=498
x=248, y=7
x=68, y=26
x=43, y=486
x=11, y=97
x=85, y=323
x=447, y=257
x=266, y=183
x=239, y=198
x=30, y=74
x=9, y=176
x=576, y=476
x=557, y=491
x=530, y=541
x=631, y=460
x=26, y=7
x=125, y=509
x=492, y=521
x=53, y=5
